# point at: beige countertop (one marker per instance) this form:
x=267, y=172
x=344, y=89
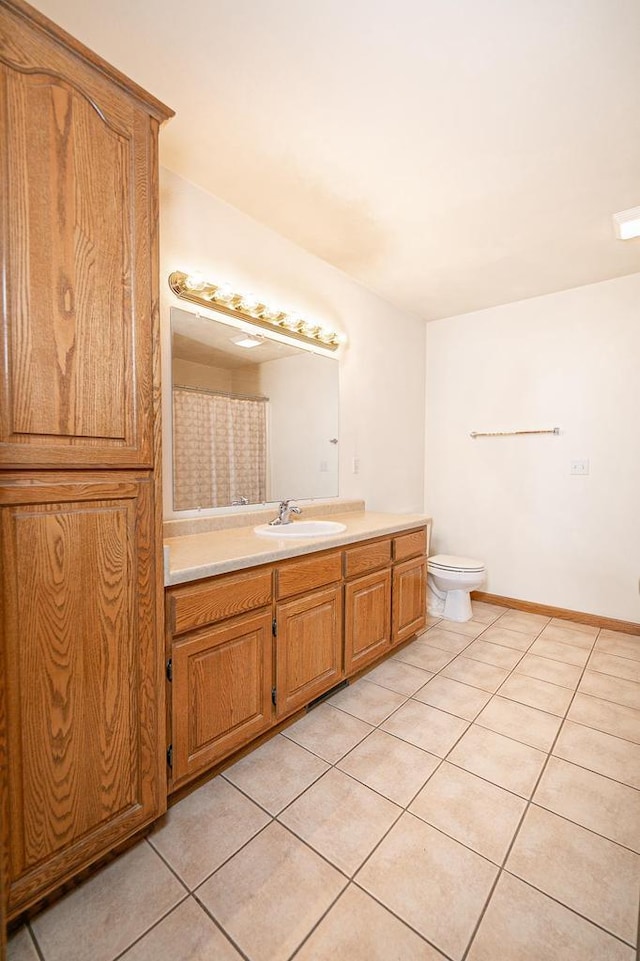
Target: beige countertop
x=192, y=556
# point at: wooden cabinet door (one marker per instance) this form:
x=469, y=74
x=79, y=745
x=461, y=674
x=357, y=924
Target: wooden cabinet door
x=367, y=620
x=220, y=692
x=80, y=647
x=79, y=251
x=409, y=599
x=308, y=648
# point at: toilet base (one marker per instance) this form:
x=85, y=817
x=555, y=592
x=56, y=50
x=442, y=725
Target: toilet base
x=449, y=605
x=457, y=606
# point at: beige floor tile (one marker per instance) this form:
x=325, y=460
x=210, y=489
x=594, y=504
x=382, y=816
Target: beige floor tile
x=366, y=701
x=205, y=829
x=515, y=640
x=271, y=894
x=597, y=803
x=431, y=621
x=499, y=759
x=587, y=629
x=464, y=629
x=536, y=693
x=564, y=675
x=357, y=928
x=425, y=656
x=622, y=645
x=399, y=677
x=390, y=766
x=320, y=818
x=609, y=688
x=487, y=613
x=328, y=732
x=110, y=910
x=435, y=884
x=521, y=924
x=606, y=716
x=521, y=621
x=453, y=696
x=187, y=934
x=521, y=722
x=446, y=640
x=470, y=810
x=615, y=666
x=426, y=727
x=476, y=673
x=557, y=651
x=296, y=769
x=566, y=635
x=593, y=876
x=20, y=946
x=494, y=654
x=600, y=752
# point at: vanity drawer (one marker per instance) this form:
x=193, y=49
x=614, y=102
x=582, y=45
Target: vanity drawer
x=367, y=557
x=218, y=598
x=410, y=545
x=297, y=577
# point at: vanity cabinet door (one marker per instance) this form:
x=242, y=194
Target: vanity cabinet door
x=308, y=648
x=221, y=691
x=84, y=673
x=367, y=620
x=409, y=599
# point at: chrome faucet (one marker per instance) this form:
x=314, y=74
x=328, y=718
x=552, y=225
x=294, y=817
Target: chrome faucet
x=241, y=502
x=285, y=510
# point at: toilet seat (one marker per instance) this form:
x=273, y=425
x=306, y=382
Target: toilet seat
x=449, y=562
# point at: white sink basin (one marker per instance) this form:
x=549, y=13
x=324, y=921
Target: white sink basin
x=301, y=529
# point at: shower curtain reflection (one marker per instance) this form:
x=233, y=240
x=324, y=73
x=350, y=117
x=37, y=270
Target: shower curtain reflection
x=219, y=448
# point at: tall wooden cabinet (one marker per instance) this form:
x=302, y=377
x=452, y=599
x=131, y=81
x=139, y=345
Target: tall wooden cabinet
x=80, y=511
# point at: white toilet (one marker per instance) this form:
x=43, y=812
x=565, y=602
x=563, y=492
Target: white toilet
x=450, y=581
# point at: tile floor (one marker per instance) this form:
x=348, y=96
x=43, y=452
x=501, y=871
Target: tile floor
x=476, y=797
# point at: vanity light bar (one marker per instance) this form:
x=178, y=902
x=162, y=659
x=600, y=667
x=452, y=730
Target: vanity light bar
x=197, y=290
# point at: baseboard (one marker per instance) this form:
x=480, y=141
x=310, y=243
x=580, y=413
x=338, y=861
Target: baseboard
x=594, y=620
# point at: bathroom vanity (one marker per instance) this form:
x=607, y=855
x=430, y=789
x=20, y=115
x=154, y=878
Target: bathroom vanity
x=257, y=628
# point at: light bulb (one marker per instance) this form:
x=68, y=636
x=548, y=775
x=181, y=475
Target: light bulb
x=224, y=293
x=196, y=280
x=249, y=302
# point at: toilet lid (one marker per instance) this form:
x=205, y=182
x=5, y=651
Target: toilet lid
x=449, y=562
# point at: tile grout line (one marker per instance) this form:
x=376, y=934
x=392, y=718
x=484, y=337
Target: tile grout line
x=528, y=801
x=34, y=942
x=519, y=825
x=596, y=924
x=405, y=808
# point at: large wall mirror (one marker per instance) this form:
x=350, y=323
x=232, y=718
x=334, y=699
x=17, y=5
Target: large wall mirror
x=251, y=424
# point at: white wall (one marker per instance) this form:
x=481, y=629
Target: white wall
x=303, y=415
x=570, y=360
x=382, y=366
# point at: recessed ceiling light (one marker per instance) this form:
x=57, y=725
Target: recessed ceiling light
x=246, y=340
x=627, y=223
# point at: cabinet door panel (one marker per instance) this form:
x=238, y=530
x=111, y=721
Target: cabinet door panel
x=221, y=691
x=409, y=599
x=309, y=648
x=79, y=633
x=77, y=251
x=367, y=626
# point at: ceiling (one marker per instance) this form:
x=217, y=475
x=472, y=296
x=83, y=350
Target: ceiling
x=203, y=340
x=448, y=154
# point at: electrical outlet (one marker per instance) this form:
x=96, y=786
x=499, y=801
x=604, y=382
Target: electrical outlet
x=579, y=467
x=356, y=465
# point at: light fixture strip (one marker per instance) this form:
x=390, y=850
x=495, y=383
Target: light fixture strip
x=219, y=297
